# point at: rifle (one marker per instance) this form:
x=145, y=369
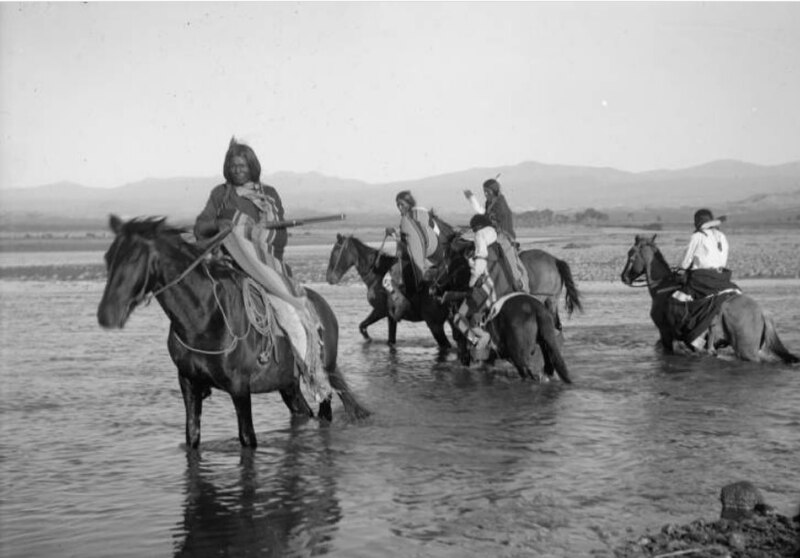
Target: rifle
x=286, y=223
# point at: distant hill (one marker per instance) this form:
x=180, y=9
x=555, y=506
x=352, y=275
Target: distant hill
x=723, y=185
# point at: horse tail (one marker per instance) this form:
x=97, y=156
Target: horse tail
x=773, y=343
x=573, y=296
x=548, y=341
x=352, y=408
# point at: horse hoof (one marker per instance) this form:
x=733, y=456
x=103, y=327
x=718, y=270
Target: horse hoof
x=325, y=411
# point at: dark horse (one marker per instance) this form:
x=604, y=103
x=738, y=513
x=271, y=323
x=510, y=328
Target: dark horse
x=516, y=326
x=372, y=265
x=211, y=339
x=741, y=323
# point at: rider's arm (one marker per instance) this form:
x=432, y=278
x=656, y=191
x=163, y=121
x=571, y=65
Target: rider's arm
x=694, y=243
x=724, y=242
x=473, y=201
x=207, y=223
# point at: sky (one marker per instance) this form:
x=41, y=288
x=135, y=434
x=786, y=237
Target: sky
x=108, y=93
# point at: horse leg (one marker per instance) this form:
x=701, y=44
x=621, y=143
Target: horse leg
x=325, y=411
x=548, y=339
x=392, y=330
x=193, y=395
x=437, y=329
x=244, y=415
x=373, y=317
x=294, y=400
x=552, y=305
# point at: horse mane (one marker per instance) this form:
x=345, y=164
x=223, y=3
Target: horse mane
x=657, y=254
x=150, y=227
x=382, y=263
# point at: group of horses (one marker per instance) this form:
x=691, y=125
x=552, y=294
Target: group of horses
x=214, y=345
x=522, y=323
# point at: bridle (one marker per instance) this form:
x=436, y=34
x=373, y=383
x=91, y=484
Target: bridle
x=144, y=296
x=341, y=246
x=648, y=280
x=638, y=281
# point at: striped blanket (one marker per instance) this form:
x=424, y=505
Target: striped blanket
x=296, y=315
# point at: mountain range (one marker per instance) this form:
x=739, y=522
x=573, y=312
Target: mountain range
x=724, y=185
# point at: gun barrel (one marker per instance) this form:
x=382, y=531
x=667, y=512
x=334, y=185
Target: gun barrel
x=286, y=223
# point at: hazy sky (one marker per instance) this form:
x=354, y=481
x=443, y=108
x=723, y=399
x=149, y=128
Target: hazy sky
x=108, y=93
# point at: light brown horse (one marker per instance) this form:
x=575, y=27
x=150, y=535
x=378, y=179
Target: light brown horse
x=741, y=323
x=211, y=340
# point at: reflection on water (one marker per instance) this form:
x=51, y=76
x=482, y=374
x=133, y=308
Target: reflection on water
x=277, y=503
x=455, y=462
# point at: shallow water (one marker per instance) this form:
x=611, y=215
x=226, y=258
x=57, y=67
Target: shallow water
x=456, y=462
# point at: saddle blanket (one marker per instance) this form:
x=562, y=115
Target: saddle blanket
x=497, y=306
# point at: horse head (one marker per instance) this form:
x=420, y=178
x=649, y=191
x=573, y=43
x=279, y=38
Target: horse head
x=640, y=259
x=342, y=258
x=131, y=268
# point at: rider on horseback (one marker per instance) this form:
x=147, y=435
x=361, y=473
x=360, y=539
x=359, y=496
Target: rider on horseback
x=706, y=257
x=418, y=240
x=482, y=294
x=703, y=269
x=497, y=210
x=248, y=207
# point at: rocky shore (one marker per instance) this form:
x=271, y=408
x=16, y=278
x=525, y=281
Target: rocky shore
x=592, y=255
x=747, y=528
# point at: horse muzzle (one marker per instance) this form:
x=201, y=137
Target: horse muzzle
x=110, y=316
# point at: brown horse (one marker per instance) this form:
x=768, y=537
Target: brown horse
x=741, y=323
x=211, y=340
x=517, y=325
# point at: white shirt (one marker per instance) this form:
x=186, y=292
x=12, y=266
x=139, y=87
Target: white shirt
x=484, y=238
x=708, y=249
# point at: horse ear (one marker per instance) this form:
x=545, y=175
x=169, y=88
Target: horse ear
x=654, y=238
x=338, y=237
x=114, y=223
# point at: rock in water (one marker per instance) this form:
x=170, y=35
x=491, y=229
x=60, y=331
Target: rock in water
x=741, y=500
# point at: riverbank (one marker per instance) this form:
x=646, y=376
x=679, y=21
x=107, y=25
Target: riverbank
x=593, y=254
x=772, y=536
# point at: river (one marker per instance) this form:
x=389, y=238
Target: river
x=456, y=462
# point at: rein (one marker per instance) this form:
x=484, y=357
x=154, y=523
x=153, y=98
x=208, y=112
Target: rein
x=378, y=253
x=236, y=338
x=214, y=243
x=647, y=281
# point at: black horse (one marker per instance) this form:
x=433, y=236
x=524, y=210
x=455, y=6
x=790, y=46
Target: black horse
x=517, y=323
x=371, y=265
x=211, y=340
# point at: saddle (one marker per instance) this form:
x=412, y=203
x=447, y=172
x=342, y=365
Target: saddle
x=690, y=319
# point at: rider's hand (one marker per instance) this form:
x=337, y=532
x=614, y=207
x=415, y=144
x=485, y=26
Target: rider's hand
x=468, y=193
x=390, y=231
